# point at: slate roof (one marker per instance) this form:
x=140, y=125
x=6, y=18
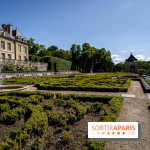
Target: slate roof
x=131, y=58
x=7, y=34
x=15, y=34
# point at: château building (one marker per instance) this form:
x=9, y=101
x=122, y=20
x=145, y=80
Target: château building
x=12, y=45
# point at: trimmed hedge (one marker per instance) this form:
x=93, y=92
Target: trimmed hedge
x=4, y=108
x=50, y=66
x=111, y=114
x=36, y=108
x=56, y=67
x=83, y=82
x=12, y=116
x=46, y=95
x=61, y=62
x=37, y=123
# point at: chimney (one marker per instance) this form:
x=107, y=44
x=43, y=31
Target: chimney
x=4, y=26
x=9, y=29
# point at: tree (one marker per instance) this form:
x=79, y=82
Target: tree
x=85, y=46
x=33, y=47
x=42, y=47
x=53, y=49
x=44, y=52
x=73, y=54
x=119, y=67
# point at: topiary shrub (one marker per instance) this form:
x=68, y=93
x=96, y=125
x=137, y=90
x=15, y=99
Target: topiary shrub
x=56, y=67
x=50, y=66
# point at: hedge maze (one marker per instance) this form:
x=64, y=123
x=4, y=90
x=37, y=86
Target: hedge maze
x=83, y=82
x=38, y=120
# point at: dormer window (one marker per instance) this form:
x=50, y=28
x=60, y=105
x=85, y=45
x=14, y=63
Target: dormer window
x=2, y=33
x=24, y=39
x=19, y=38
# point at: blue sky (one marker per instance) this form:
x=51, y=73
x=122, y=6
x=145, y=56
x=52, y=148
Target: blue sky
x=121, y=26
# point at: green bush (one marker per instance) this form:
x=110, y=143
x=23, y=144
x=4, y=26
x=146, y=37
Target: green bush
x=36, y=99
x=37, y=123
x=35, y=58
x=15, y=133
x=66, y=137
x=9, y=67
x=12, y=116
x=46, y=95
x=93, y=145
x=38, y=117
x=58, y=95
x=48, y=105
x=50, y=66
x=56, y=67
x=4, y=108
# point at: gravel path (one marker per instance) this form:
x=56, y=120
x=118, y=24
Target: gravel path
x=133, y=110
x=32, y=88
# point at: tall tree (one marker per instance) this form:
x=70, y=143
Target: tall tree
x=53, y=49
x=44, y=53
x=73, y=53
x=33, y=47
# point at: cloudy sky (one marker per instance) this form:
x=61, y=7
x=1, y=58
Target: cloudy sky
x=121, y=26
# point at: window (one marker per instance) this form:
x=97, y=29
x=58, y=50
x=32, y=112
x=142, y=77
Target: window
x=25, y=58
x=9, y=56
x=19, y=57
x=2, y=45
x=9, y=46
x=2, y=33
x=19, y=48
x=3, y=55
x=24, y=49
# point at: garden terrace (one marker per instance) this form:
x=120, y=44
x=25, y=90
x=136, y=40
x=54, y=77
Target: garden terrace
x=37, y=120
x=83, y=82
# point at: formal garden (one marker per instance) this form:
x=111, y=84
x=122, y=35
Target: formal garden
x=42, y=120
x=106, y=82
x=35, y=120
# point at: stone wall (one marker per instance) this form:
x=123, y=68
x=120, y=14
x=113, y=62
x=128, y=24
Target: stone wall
x=41, y=65
x=128, y=66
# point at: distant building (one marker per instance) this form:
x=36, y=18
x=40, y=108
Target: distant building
x=12, y=45
x=131, y=64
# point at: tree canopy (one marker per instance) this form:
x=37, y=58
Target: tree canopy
x=85, y=57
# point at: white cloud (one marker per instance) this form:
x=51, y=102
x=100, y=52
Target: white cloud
x=114, y=56
x=148, y=59
x=123, y=51
x=117, y=58
x=140, y=57
x=141, y=50
x=132, y=50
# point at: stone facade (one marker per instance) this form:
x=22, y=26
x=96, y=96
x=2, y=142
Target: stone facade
x=131, y=64
x=12, y=45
